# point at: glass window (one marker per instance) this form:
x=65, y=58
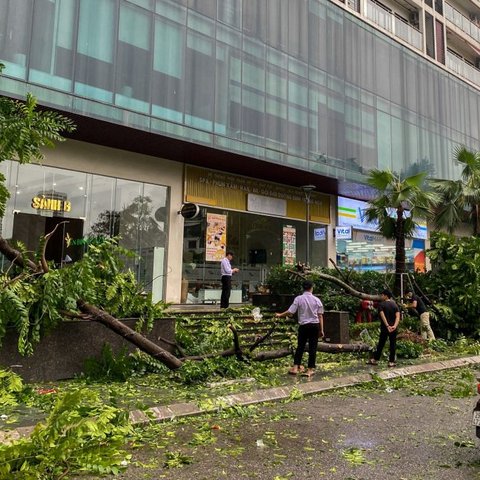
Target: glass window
x=276, y=107
x=297, y=33
x=95, y=49
x=14, y=36
x=53, y=31
x=205, y=7
x=133, y=59
x=168, y=70
x=255, y=18
x=227, y=90
x=230, y=12
x=277, y=24
x=200, y=87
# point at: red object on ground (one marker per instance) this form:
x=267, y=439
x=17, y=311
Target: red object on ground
x=46, y=391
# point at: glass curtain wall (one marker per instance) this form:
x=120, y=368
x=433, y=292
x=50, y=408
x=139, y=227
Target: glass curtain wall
x=95, y=207
x=298, y=82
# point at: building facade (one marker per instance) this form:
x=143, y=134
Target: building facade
x=234, y=105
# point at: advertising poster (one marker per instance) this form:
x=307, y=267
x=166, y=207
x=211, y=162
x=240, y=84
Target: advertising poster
x=289, y=245
x=216, y=241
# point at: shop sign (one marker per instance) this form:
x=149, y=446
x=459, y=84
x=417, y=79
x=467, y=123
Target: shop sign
x=319, y=234
x=289, y=250
x=189, y=210
x=343, y=233
x=216, y=237
x=44, y=203
x=352, y=213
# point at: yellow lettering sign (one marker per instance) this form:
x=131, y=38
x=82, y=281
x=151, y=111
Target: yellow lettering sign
x=43, y=203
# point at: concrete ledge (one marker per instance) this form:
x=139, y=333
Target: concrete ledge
x=62, y=353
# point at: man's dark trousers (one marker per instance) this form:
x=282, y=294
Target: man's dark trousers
x=226, y=289
x=392, y=336
x=308, y=332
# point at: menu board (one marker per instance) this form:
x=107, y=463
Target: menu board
x=216, y=237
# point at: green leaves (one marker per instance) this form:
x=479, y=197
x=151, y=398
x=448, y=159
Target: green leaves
x=24, y=130
x=460, y=200
x=455, y=282
x=81, y=435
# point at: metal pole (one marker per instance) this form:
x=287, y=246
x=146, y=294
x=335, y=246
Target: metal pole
x=307, y=190
x=307, y=249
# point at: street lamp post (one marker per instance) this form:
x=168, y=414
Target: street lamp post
x=307, y=190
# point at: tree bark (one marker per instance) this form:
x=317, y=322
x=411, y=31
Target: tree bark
x=15, y=256
x=130, y=335
x=285, y=352
x=399, y=252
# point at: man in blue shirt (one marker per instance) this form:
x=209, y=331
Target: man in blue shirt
x=310, y=320
x=227, y=271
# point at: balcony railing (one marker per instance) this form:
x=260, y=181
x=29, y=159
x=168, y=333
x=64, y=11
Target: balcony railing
x=379, y=15
x=465, y=70
x=408, y=34
x=385, y=19
x=462, y=22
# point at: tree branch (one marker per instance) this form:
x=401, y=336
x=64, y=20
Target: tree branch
x=15, y=256
x=329, y=278
x=262, y=339
x=236, y=343
x=43, y=260
x=130, y=335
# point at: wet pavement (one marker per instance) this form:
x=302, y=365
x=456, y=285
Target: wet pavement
x=349, y=435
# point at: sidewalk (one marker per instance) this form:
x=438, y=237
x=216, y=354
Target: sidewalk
x=308, y=387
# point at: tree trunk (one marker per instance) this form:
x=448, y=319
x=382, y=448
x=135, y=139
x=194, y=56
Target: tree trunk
x=285, y=352
x=130, y=335
x=399, y=252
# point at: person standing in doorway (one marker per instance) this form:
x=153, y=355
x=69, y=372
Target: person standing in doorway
x=226, y=271
x=310, y=319
x=416, y=304
x=389, y=314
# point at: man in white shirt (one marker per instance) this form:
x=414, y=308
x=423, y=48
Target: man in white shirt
x=227, y=271
x=310, y=319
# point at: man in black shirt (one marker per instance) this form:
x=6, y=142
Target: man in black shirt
x=389, y=314
x=416, y=304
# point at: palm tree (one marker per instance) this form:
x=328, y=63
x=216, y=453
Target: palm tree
x=460, y=199
x=400, y=203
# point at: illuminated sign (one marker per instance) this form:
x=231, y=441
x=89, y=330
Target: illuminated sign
x=352, y=213
x=44, y=203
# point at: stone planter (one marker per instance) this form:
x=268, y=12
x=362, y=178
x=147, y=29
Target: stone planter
x=274, y=302
x=62, y=353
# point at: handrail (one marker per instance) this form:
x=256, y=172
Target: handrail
x=461, y=21
x=384, y=18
